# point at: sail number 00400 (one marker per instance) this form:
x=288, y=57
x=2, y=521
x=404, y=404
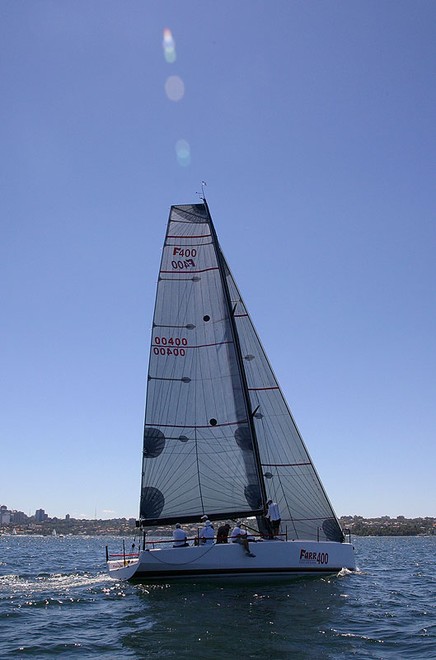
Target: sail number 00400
x=170, y=346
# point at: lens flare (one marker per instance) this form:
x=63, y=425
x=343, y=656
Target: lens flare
x=183, y=153
x=169, y=46
x=175, y=88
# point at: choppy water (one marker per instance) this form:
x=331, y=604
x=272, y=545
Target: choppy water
x=57, y=601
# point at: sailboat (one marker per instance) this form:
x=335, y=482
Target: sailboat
x=219, y=438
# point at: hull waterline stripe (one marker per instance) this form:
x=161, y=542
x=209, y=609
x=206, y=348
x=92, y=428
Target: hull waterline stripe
x=233, y=571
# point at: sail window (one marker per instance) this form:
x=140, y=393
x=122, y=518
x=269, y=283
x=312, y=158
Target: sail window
x=331, y=529
x=154, y=442
x=152, y=502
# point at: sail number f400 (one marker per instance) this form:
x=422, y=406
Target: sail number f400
x=184, y=252
x=187, y=261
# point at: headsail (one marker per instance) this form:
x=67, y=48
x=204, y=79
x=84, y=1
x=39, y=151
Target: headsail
x=290, y=476
x=198, y=447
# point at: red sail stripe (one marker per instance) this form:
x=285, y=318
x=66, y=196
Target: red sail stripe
x=285, y=464
x=217, y=343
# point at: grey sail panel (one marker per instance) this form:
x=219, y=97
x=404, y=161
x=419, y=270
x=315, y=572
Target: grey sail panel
x=290, y=477
x=198, y=449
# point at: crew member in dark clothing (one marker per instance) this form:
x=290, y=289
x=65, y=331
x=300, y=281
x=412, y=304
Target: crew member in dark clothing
x=223, y=533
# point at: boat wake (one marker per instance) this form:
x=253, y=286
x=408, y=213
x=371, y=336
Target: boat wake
x=57, y=583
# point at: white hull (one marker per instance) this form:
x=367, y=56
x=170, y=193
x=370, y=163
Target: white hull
x=272, y=558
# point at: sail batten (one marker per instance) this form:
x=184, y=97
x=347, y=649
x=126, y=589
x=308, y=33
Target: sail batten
x=199, y=426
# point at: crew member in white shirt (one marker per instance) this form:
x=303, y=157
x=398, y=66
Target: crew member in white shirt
x=206, y=533
x=239, y=535
x=274, y=516
x=179, y=537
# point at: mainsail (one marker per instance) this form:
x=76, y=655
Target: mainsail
x=218, y=435
x=199, y=455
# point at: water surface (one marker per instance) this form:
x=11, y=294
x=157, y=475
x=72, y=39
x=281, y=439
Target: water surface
x=56, y=600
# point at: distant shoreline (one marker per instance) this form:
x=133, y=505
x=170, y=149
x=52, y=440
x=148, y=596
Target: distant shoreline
x=386, y=526
x=357, y=525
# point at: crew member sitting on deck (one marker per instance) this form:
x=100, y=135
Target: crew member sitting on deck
x=206, y=533
x=179, y=537
x=240, y=536
x=223, y=533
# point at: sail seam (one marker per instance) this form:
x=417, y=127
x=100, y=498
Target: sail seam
x=188, y=245
x=204, y=270
x=190, y=237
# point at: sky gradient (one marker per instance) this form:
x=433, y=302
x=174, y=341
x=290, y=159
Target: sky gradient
x=313, y=125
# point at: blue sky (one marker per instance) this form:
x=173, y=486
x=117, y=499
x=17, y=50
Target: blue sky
x=313, y=125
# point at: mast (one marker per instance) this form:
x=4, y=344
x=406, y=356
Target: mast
x=238, y=353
